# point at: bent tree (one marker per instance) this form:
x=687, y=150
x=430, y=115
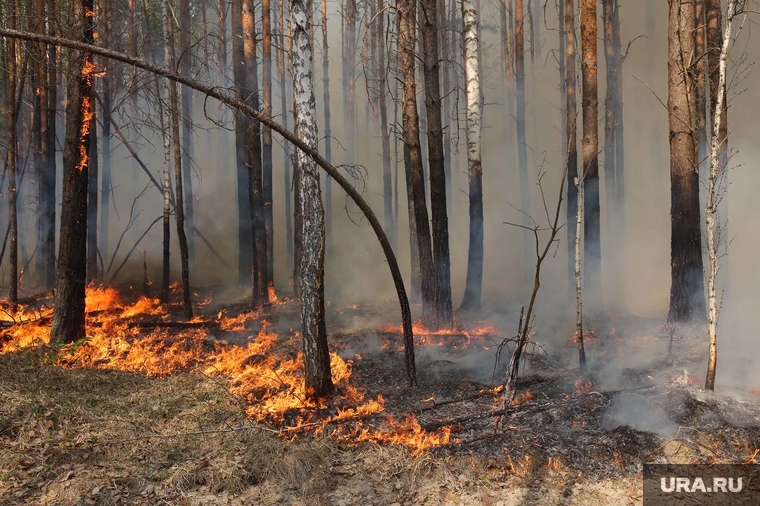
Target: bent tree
x=308, y=151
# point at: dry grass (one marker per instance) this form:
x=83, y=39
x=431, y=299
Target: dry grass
x=91, y=436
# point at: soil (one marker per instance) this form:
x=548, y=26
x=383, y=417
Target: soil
x=81, y=436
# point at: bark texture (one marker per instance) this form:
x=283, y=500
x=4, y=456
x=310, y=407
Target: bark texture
x=687, y=298
x=71, y=270
x=318, y=379
x=474, y=280
x=571, y=111
x=592, y=250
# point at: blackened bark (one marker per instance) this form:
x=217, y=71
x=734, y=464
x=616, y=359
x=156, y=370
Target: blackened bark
x=71, y=270
x=592, y=251
x=442, y=311
x=245, y=224
x=259, y=268
x=92, y=198
x=522, y=142
x=12, y=161
x=412, y=153
x=177, y=149
x=382, y=83
x=185, y=68
x=266, y=141
x=687, y=298
x=105, y=107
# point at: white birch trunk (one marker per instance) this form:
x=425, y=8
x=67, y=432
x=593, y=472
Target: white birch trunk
x=311, y=279
x=714, y=194
x=578, y=277
x=472, y=80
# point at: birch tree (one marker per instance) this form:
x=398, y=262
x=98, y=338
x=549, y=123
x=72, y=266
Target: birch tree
x=715, y=190
x=316, y=357
x=474, y=281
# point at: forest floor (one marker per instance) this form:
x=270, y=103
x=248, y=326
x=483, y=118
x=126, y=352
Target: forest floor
x=82, y=431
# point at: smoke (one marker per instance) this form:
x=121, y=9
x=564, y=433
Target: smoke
x=640, y=413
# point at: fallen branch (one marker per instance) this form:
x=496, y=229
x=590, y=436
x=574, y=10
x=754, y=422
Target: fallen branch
x=172, y=324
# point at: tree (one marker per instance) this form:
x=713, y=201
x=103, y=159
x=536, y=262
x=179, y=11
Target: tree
x=715, y=189
x=12, y=160
x=442, y=312
x=571, y=114
x=313, y=332
x=266, y=147
x=382, y=83
x=179, y=210
x=310, y=152
x=92, y=196
x=185, y=67
x=687, y=299
x=419, y=227
x=613, y=135
x=71, y=269
x=259, y=288
x=474, y=281
x=522, y=140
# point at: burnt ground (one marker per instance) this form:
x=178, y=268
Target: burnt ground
x=91, y=436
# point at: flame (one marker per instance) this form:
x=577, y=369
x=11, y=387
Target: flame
x=272, y=293
x=583, y=387
x=455, y=337
x=264, y=373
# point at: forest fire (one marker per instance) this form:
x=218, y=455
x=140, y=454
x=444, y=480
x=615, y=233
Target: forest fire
x=455, y=337
x=266, y=372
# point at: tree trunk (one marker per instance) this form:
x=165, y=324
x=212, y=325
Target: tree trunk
x=522, y=142
x=446, y=71
x=259, y=283
x=474, y=282
x=571, y=129
x=105, y=107
x=177, y=149
x=285, y=145
x=185, y=68
x=318, y=380
x=700, y=83
x=221, y=6
x=592, y=251
x=92, y=197
x=71, y=270
x=12, y=161
x=382, y=84
x=715, y=191
x=412, y=154
x=326, y=111
x=266, y=148
x=245, y=224
x=167, y=224
x=442, y=312
x=687, y=299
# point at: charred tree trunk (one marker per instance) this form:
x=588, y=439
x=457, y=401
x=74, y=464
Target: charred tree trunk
x=92, y=197
x=412, y=153
x=71, y=269
x=687, y=298
x=105, y=107
x=12, y=161
x=285, y=145
x=592, y=250
x=318, y=380
x=185, y=68
x=571, y=129
x=245, y=225
x=177, y=152
x=442, y=313
x=266, y=145
x=167, y=223
x=474, y=282
x=260, y=287
x=382, y=83
x=446, y=71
